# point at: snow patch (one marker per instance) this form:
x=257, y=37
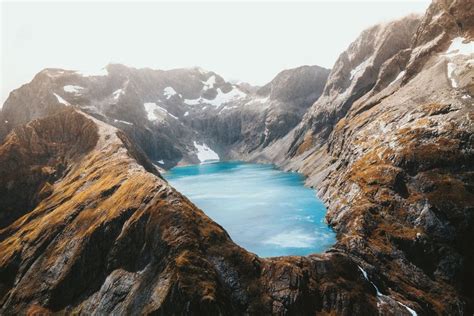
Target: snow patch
x=193, y=101
x=166, y=111
x=360, y=68
x=209, y=83
x=186, y=114
x=61, y=100
x=220, y=99
x=73, y=89
x=400, y=75
x=451, y=70
x=465, y=97
x=204, y=153
x=225, y=108
x=168, y=92
x=457, y=47
x=262, y=100
x=117, y=93
x=124, y=122
x=151, y=107
x=161, y=162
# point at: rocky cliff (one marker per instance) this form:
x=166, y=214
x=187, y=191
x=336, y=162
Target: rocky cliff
x=389, y=146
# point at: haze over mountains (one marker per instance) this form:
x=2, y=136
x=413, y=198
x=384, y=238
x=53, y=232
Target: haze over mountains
x=88, y=225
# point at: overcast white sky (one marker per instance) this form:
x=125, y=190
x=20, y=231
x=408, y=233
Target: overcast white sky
x=249, y=41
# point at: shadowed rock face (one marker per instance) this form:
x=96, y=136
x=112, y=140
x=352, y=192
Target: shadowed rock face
x=111, y=237
x=388, y=144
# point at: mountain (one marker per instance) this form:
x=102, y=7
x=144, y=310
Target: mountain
x=385, y=137
x=169, y=114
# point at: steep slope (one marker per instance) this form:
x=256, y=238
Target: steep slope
x=113, y=237
x=389, y=146
x=28, y=167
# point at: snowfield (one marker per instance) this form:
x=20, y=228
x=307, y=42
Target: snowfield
x=204, y=153
x=73, y=89
x=168, y=92
x=152, y=107
x=220, y=99
x=455, y=54
x=61, y=100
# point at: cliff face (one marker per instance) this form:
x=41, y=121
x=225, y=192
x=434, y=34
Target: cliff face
x=112, y=237
x=391, y=152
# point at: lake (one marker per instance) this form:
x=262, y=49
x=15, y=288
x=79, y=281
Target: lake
x=265, y=210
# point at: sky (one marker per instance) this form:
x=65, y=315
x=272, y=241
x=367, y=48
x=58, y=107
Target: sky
x=248, y=41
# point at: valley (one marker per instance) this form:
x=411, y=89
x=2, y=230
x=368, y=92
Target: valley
x=94, y=218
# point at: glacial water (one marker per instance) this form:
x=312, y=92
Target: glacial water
x=265, y=210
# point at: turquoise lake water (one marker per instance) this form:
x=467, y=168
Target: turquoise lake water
x=267, y=211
